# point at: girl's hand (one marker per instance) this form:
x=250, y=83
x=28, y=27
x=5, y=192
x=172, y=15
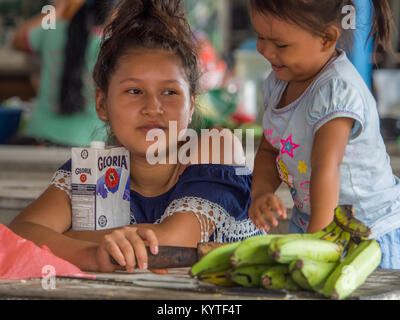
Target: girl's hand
x=262, y=210
x=127, y=247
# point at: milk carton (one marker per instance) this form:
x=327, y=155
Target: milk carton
x=100, y=187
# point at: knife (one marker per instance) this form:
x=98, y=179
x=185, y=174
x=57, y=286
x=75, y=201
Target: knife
x=177, y=257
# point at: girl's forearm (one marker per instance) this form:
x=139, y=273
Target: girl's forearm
x=167, y=232
x=324, y=194
x=78, y=252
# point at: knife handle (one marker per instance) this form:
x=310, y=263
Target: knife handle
x=169, y=257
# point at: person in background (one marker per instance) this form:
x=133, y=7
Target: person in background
x=64, y=113
x=321, y=124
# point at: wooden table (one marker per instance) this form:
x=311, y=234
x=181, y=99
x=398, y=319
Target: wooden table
x=178, y=285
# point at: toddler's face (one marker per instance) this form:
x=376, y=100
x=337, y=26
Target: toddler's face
x=148, y=89
x=294, y=53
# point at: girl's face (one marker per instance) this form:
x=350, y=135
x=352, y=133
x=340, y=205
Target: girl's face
x=294, y=53
x=148, y=89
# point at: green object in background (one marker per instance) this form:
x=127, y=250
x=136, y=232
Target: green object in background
x=203, y=15
x=258, y=130
x=14, y=10
x=215, y=107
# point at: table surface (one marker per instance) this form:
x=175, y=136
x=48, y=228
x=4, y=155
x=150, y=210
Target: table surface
x=178, y=285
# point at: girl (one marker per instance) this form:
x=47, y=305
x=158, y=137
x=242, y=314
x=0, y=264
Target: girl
x=321, y=124
x=146, y=76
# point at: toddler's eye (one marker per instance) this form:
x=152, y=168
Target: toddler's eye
x=281, y=46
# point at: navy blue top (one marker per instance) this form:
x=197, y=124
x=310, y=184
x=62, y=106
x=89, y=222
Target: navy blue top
x=208, y=190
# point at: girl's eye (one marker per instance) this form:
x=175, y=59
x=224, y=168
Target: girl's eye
x=281, y=46
x=134, y=91
x=170, y=92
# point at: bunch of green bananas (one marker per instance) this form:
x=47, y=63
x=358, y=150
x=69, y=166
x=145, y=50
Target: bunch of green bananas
x=333, y=262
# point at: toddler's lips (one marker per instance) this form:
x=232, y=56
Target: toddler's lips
x=277, y=68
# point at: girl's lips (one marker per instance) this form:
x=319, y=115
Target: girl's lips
x=146, y=129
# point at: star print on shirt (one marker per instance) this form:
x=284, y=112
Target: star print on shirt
x=288, y=146
x=302, y=167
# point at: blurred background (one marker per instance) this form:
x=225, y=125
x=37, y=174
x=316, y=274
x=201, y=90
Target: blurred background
x=33, y=144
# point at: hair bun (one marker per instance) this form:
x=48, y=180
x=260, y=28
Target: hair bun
x=152, y=24
x=171, y=7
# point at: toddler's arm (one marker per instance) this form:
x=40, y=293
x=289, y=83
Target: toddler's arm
x=266, y=181
x=327, y=154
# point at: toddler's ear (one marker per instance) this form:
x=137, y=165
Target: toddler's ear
x=100, y=100
x=331, y=38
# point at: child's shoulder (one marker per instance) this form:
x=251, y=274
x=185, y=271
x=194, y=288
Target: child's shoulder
x=341, y=77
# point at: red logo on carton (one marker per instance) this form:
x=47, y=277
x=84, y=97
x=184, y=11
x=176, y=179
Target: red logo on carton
x=112, y=178
x=83, y=178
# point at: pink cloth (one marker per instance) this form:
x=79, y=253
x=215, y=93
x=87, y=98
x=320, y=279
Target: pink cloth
x=22, y=259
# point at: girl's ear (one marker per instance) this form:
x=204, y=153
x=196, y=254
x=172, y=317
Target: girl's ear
x=100, y=100
x=331, y=38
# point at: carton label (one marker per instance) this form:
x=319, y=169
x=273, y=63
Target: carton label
x=100, y=188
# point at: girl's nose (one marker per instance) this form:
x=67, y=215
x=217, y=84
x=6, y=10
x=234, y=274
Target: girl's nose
x=152, y=106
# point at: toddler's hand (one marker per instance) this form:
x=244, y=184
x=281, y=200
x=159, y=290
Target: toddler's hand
x=262, y=210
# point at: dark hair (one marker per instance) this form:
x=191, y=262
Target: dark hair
x=316, y=15
x=92, y=13
x=153, y=24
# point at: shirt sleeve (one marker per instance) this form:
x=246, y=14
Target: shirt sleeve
x=219, y=198
x=336, y=99
x=35, y=39
x=62, y=178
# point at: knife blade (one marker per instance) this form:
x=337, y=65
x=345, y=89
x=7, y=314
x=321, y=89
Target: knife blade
x=177, y=257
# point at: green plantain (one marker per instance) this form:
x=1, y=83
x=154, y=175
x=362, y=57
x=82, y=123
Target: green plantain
x=344, y=240
x=299, y=279
x=361, y=260
x=278, y=277
x=253, y=250
x=327, y=230
x=247, y=276
x=344, y=217
x=310, y=274
x=216, y=260
x=333, y=235
x=285, y=249
x=218, y=278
